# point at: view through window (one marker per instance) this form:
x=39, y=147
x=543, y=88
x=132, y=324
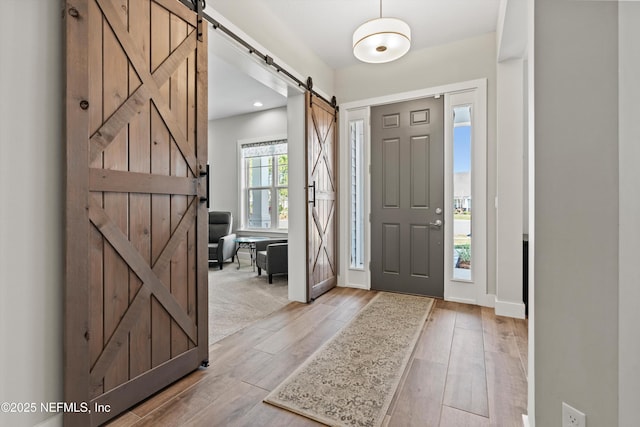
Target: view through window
x=266, y=180
x=462, y=149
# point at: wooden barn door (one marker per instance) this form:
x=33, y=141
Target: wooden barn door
x=322, y=190
x=136, y=224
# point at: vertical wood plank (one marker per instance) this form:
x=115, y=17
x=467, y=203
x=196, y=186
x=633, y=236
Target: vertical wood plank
x=420, y=399
x=435, y=343
x=179, y=267
x=469, y=317
x=202, y=219
x=160, y=203
x=498, y=333
x=76, y=351
x=521, y=331
x=192, y=238
x=116, y=205
x=507, y=389
x=96, y=241
x=229, y=408
x=140, y=204
x=466, y=386
x=452, y=417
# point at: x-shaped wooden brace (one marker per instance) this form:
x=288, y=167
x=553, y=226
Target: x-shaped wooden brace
x=322, y=155
x=151, y=283
x=323, y=152
x=149, y=89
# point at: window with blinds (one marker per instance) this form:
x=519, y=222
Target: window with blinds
x=356, y=136
x=265, y=185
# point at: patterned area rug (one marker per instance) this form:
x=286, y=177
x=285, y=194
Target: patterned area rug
x=351, y=380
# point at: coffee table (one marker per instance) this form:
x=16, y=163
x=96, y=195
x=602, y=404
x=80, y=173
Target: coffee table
x=249, y=242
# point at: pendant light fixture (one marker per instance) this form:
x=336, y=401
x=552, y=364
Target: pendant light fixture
x=381, y=40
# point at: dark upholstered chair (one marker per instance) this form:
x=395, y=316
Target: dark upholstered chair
x=222, y=243
x=273, y=259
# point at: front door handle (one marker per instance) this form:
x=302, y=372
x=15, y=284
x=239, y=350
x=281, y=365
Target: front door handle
x=437, y=223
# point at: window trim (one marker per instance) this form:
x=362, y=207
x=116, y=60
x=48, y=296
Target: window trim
x=243, y=190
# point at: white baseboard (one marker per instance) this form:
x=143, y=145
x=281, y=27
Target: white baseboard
x=510, y=309
x=355, y=286
x=55, y=421
x=525, y=420
x=461, y=300
x=487, y=300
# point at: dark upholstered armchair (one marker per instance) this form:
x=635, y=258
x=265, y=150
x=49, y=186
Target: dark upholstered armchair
x=222, y=243
x=273, y=258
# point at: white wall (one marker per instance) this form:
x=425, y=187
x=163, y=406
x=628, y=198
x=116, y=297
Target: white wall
x=509, y=177
x=576, y=211
x=464, y=60
x=629, y=158
x=223, y=153
x=31, y=211
x=297, y=199
x=223, y=157
x=255, y=19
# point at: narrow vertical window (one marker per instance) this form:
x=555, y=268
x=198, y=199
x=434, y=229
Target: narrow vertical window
x=356, y=137
x=462, y=233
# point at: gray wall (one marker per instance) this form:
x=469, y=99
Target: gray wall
x=576, y=210
x=629, y=155
x=509, y=177
x=464, y=60
x=31, y=210
x=223, y=153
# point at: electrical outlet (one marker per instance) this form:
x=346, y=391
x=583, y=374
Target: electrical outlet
x=571, y=417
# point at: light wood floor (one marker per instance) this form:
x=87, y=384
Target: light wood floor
x=468, y=369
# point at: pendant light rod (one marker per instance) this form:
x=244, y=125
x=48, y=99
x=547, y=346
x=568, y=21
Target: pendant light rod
x=308, y=85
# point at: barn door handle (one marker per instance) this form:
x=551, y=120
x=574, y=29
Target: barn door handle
x=314, y=194
x=205, y=174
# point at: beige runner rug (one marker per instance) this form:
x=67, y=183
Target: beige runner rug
x=351, y=379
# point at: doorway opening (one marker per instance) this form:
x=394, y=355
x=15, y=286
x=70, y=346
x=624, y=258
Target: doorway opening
x=254, y=118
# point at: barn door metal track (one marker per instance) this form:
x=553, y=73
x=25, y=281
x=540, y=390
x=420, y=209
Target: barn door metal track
x=198, y=7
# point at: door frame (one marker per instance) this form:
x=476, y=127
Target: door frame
x=221, y=46
x=474, y=292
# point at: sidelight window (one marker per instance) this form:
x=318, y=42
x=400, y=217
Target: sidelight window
x=462, y=211
x=356, y=137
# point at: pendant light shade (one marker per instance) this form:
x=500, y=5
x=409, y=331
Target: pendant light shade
x=381, y=40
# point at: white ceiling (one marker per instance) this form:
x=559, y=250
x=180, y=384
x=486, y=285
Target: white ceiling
x=326, y=27
x=232, y=92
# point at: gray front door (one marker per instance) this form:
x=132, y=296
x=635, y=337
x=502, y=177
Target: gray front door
x=407, y=201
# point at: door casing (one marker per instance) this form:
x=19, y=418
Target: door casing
x=476, y=292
